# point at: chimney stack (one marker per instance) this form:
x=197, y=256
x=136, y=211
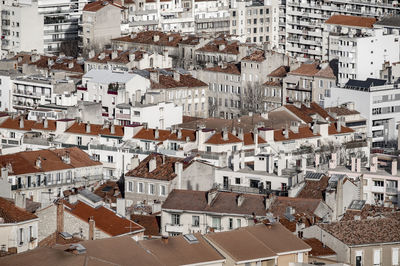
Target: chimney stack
x=88, y=127
x=112, y=129
x=45, y=123
x=156, y=133
x=394, y=167
x=353, y=164
x=60, y=216
x=164, y=239
x=21, y=122
x=225, y=134
x=374, y=164
x=92, y=226
x=358, y=166
x=152, y=164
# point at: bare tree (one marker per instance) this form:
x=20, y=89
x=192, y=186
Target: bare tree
x=70, y=48
x=93, y=46
x=212, y=106
x=252, y=98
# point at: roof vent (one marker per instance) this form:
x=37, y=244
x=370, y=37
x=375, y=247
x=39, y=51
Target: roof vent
x=191, y=238
x=77, y=249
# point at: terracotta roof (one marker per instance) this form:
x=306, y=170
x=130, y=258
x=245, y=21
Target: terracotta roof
x=248, y=139
x=332, y=129
x=57, y=239
x=109, y=191
x=121, y=58
x=147, y=37
x=25, y=162
x=221, y=45
x=186, y=133
x=64, y=63
x=314, y=189
x=190, y=40
x=256, y=56
x=306, y=69
x=105, y=219
x=354, y=21
x=218, y=139
x=163, y=171
x=228, y=69
x=11, y=123
x=95, y=6
x=304, y=132
x=80, y=128
x=168, y=82
x=371, y=211
x=186, y=118
x=224, y=202
x=198, y=253
x=342, y=111
x=149, y=134
x=318, y=249
x=326, y=72
x=280, y=72
x=303, y=218
x=273, y=84
x=304, y=112
x=365, y=231
x=13, y=214
x=259, y=241
x=306, y=206
x=151, y=223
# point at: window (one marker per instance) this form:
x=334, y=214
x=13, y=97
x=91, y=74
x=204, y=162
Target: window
x=230, y=223
x=359, y=255
x=321, y=83
x=162, y=190
x=140, y=187
x=395, y=256
x=300, y=257
x=110, y=159
x=151, y=189
x=21, y=236
x=208, y=148
x=237, y=180
x=79, y=140
x=12, y=135
x=238, y=223
x=378, y=183
x=195, y=221
x=130, y=186
x=216, y=223
x=377, y=257
x=175, y=219
x=31, y=233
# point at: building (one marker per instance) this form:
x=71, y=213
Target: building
x=255, y=21
x=19, y=228
x=358, y=242
x=185, y=211
x=101, y=22
x=352, y=118
x=21, y=28
x=371, y=98
x=44, y=174
x=260, y=244
x=157, y=175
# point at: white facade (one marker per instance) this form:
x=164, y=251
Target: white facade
x=379, y=105
x=362, y=57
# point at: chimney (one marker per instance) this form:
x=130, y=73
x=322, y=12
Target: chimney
x=102, y=56
x=394, y=167
x=374, y=164
x=138, y=96
x=38, y=162
x=333, y=161
x=221, y=47
x=45, y=123
x=88, y=127
x=21, y=122
x=156, y=38
x=71, y=64
x=358, y=166
x=353, y=164
x=269, y=200
x=134, y=162
x=179, y=133
x=241, y=135
x=66, y=158
x=154, y=76
x=152, y=164
x=92, y=226
x=225, y=134
x=73, y=198
x=50, y=62
x=294, y=126
x=235, y=162
x=164, y=239
x=286, y=132
x=91, y=54
x=317, y=157
x=114, y=54
x=281, y=165
x=339, y=124
x=121, y=209
x=156, y=133
x=166, y=54
x=132, y=57
x=112, y=129
x=234, y=131
x=240, y=200
x=178, y=172
x=20, y=201
x=242, y=159
x=60, y=217
x=177, y=76
x=211, y=196
x=315, y=127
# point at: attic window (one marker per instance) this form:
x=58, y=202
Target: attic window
x=191, y=238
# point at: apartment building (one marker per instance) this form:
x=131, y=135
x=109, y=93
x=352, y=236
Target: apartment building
x=43, y=175
x=255, y=21
x=210, y=16
x=273, y=88
x=101, y=22
x=377, y=102
x=22, y=27
x=304, y=23
x=19, y=228
x=309, y=82
x=127, y=60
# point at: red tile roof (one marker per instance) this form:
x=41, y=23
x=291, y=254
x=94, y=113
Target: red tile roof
x=306, y=70
x=122, y=56
x=11, y=123
x=326, y=72
x=105, y=219
x=149, y=134
x=151, y=223
x=248, y=139
x=148, y=37
x=318, y=248
x=97, y=5
x=306, y=206
x=354, y=21
x=221, y=45
x=256, y=56
x=304, y=132
x=25, y=162
x=185, y=80
x=228, y=69
x=314, y=189
x=218, y=139
x=13, y=214
x=342, y=111
x=186, y=133
x=304, y=112
x=164, y=170
x=332, y=129
x=80, y=128
x=280, y=72
x=109, y=191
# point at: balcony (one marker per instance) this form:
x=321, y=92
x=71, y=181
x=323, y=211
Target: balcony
x=378, y=189
x=392, y=190
x=176, y=228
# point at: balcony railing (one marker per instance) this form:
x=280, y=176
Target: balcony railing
x=178, y=228
x=392, y=190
